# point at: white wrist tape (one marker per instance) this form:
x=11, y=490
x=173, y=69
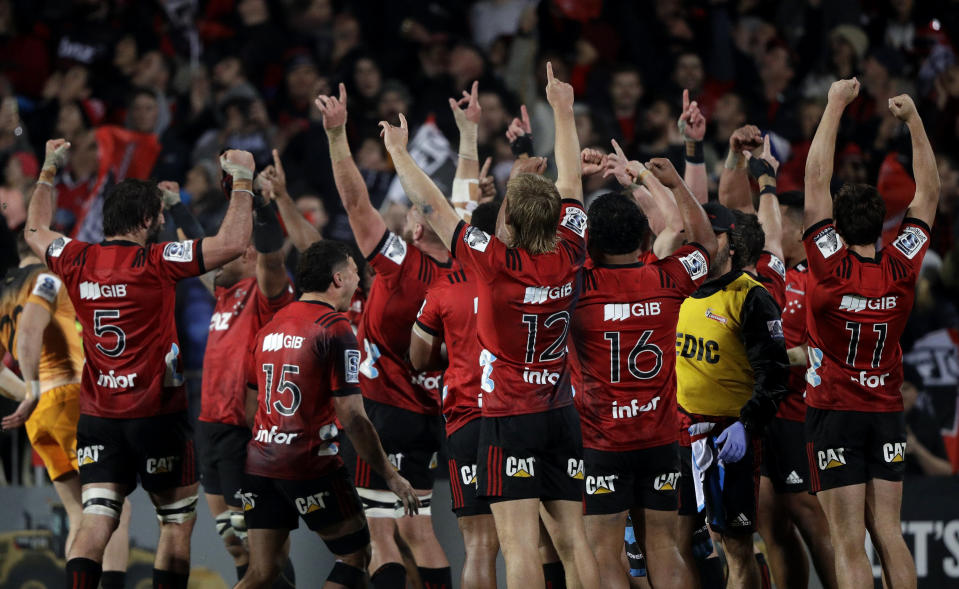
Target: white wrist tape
x=33, y=387
x=461, y=190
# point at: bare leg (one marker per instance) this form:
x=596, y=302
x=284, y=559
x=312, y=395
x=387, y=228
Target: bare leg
x=173, y=547
x=845, y=509
x=605, y=536
x=808, y=516
x=564, y=521
x=787, y=558
x=482, y=545
x=883, y=503
x=743, y=569
x=658, y=536
x=117, y=553
x=67, y=487
x=266, y=548
x=517, y=525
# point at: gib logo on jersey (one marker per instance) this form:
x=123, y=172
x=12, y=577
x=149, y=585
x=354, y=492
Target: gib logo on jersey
x=536, y=295
x=476, y=239
x=695, y=264
x=161, y=465
x=623, y=311
x=89, y=454
x=856, y=303
x=280, y=341
x=601, y=485
x=910, y=241
x=827, y=241
x=271, y=436
x=894, y=452
x=92, y=291
x=115, y=381
x=311, y=503
x=575, y=221
x=633, y=409
x=668, y=481
x=831, y=458
x=523, y=468
x=574, y=468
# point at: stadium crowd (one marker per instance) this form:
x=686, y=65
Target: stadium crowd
x=724, y=124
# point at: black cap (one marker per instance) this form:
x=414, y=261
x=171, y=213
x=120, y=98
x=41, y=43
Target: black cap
x=720, y=217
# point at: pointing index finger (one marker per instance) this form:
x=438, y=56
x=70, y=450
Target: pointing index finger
x=342, y=92
x=277, y=163
x=618, y=149
x=549, y=72
x=485, y=169
x=403, y=122
x=525, y=116
x=685, y=100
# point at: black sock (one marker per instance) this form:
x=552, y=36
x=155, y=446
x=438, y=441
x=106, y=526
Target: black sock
x=287, y=577
x=391, y=575
x=241, y=570
x=436, y=578
x=765, y=579
x=83, y=573
x=555, y=575
x=113, y=580
x=711, y=573
x=169, y=580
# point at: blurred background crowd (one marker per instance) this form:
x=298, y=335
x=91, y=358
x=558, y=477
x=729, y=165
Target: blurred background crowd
x=157, y=88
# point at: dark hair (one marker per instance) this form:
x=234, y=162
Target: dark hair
x=128, y=204
x=859, y=212
x=140, y=91
x=484, y=217
x=625, y=68
x=316, y=266
x=616, y=225
x=793, y=201
x=746, y=240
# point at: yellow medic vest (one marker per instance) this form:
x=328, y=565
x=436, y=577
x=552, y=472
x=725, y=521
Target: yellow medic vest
x=713, y=374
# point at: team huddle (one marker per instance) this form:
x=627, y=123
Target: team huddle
x=624, y=394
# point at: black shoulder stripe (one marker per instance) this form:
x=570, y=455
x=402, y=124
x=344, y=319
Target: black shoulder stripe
x=338, y=318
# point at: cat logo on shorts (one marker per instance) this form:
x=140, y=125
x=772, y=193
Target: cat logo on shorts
x=601, y=485
x=831, y=458
x=247, y=499
x=396, y=460
x=468, y=474
x=894, y=452
x=89, y=454
x=520, y=467
x=668, y=481
x=161, y=465
x=311, y=503
x=574, y=468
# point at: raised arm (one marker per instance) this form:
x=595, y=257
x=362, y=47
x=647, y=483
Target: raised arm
x=763, y=169
x=39, y=236
x=367, y=224
x=695, y=221
x=33, y=321
x=466, y=181
x=302, y=233
x=734, y=189
x=924, y=169
x=271, y=276
x=234, y=233
x=819, y=162
x=184, y=220
x=417, y=185
x=569, y=181
x=692, y=126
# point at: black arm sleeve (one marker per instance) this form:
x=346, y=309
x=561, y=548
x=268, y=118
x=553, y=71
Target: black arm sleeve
x=762, y=335
x=185, y=221
x=267, y=233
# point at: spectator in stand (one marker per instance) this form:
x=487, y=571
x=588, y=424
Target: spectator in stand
x=623, y=116
x=925, y=451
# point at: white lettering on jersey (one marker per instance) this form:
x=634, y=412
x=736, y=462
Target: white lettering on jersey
x=56, y=248
x=870, y=381
x=271, y=436
x=910, y=241
x=827, y=241
x=394, y=249
x=116, y=381
x=633, y=409
x=178, y=251
x=351, y=363
x=47, y=287
x=536, y=295
x=575, y=221
x=280, y=341
x=623, y=311
x=695, y=264
x=856, y=303
x=93, y=290
x=476, y=239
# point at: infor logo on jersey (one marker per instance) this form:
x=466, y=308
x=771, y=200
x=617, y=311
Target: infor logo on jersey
x=178, y=251
x=910, y=241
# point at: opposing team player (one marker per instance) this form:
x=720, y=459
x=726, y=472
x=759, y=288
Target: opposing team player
x=406, y=415
x=858, y=302
x=133, y=423
x=527, y=288
x=303, y=374
x=731, y=373
x=248, y=291
x=38, y=326
x=624, y=329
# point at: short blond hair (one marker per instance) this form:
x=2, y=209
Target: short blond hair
x=532, y=211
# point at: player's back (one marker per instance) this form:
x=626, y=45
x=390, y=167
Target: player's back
x=793, y=405
x=124, y=297
x=624, y=331
x=299, y=361
x=857, y=311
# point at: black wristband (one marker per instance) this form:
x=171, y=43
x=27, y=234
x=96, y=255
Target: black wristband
x=522, y=145
x=267, y=233
x=769, y=189
x=759, y=167
x=694, y=152
x=185, y=221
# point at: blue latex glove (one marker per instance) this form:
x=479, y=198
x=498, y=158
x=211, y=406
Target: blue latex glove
x=733, y=442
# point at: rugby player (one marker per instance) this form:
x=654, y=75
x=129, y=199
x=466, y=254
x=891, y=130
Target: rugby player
x=38, y=326
x=858, y=302
x=248, y=291
x=625, y=319
x=405, y=414
x=133, y=423
x=302, y=375
x=527, y=288
x=731, y=372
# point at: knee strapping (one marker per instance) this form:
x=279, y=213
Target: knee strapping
x=385, y=504
x=177, y=512
x=238, y=523
x=227, y=525
x=98, y=501
x=344, y=574
x=349, y=543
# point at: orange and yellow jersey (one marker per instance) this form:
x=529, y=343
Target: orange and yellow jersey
x=61, y=357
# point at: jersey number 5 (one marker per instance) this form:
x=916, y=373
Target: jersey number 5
x=284, y=386
x=101, y=329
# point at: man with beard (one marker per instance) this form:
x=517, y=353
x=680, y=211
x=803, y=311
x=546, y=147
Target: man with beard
x=133, y=422
x=248, y=291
